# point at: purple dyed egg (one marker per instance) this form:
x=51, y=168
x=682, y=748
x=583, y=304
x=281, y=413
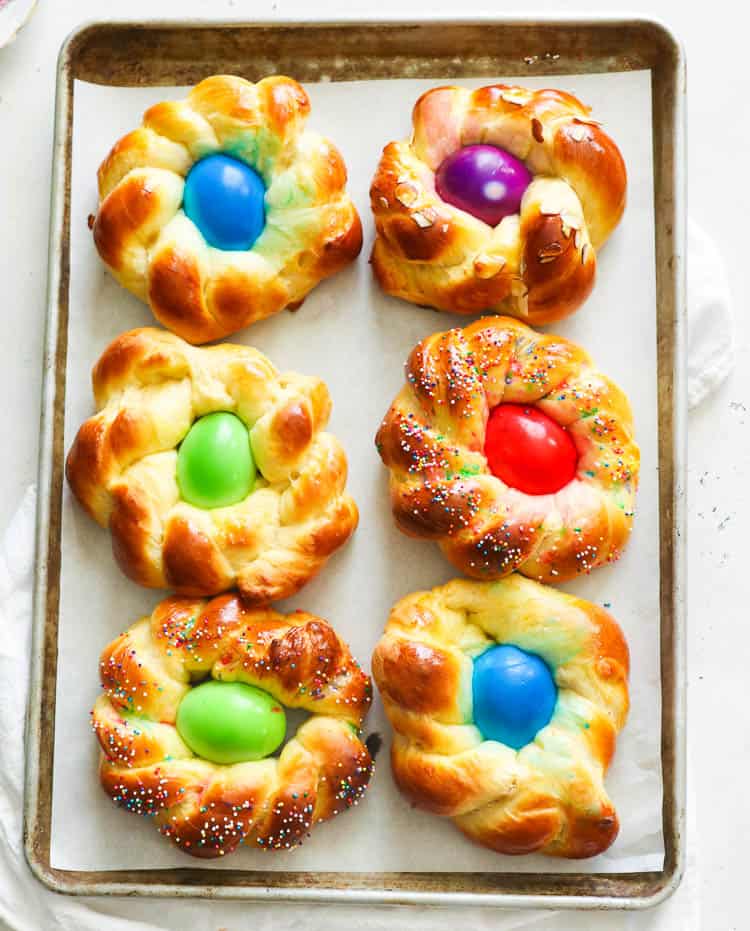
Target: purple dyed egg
x=483, y=180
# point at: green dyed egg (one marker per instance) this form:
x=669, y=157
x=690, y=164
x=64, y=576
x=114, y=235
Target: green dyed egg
x=215, y=466
x=230, y=722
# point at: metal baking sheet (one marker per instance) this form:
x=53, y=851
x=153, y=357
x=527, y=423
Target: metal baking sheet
x=169, y=54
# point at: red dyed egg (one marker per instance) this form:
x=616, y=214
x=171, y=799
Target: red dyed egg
x=529, y=450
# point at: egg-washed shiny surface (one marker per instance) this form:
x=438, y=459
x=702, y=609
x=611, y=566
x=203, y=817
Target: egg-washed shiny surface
x=528, y=450
x=215, y=466
x=230, y=722
x=224, y=197
x=514, y=695
x=483, y=180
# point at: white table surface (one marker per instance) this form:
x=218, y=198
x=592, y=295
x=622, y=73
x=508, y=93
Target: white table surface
x=718, y=147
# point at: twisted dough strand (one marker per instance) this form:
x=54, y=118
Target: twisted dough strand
x=205, y=808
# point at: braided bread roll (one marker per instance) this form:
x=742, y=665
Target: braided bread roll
x=548, y=797
x=155, y=251
x=149, y=387
x=208, y=809
x=538, y=265
x=432, y=440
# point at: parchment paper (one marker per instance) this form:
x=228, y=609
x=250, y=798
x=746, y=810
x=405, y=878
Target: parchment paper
x=357, y=339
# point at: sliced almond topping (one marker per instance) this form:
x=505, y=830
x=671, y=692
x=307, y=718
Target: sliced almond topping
x=517, y=99
x=571, y=220
x=422, y=221
x=406, y=194
x=518, y=287
x=578, y=239
x=384, y=202
x=487, y=266
x=550, y=252
x=584, y=253
x=578, y=133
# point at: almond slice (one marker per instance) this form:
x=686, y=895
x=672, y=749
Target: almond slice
x=571, y=220
x=578, y=133
x=422, y=221
x=549, y=253
x=487, y=266
x=406, y=194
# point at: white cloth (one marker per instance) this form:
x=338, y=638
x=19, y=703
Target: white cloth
x=13, y=14
x=26, y=906
x=710, y=330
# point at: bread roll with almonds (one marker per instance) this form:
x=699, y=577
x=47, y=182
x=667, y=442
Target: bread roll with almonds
x=539, y=262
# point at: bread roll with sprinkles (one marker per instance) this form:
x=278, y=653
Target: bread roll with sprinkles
x=512, y=451
x=168, y=761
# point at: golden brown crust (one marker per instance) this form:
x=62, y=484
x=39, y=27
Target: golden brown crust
x=432, y=440
x=539, y=265
x=418, y=677
x=208, y=809
x=149, y=387
x=154, y=250
x=549, y=796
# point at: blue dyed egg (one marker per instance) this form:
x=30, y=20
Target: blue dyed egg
x=224, y=198
x=514, y=695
